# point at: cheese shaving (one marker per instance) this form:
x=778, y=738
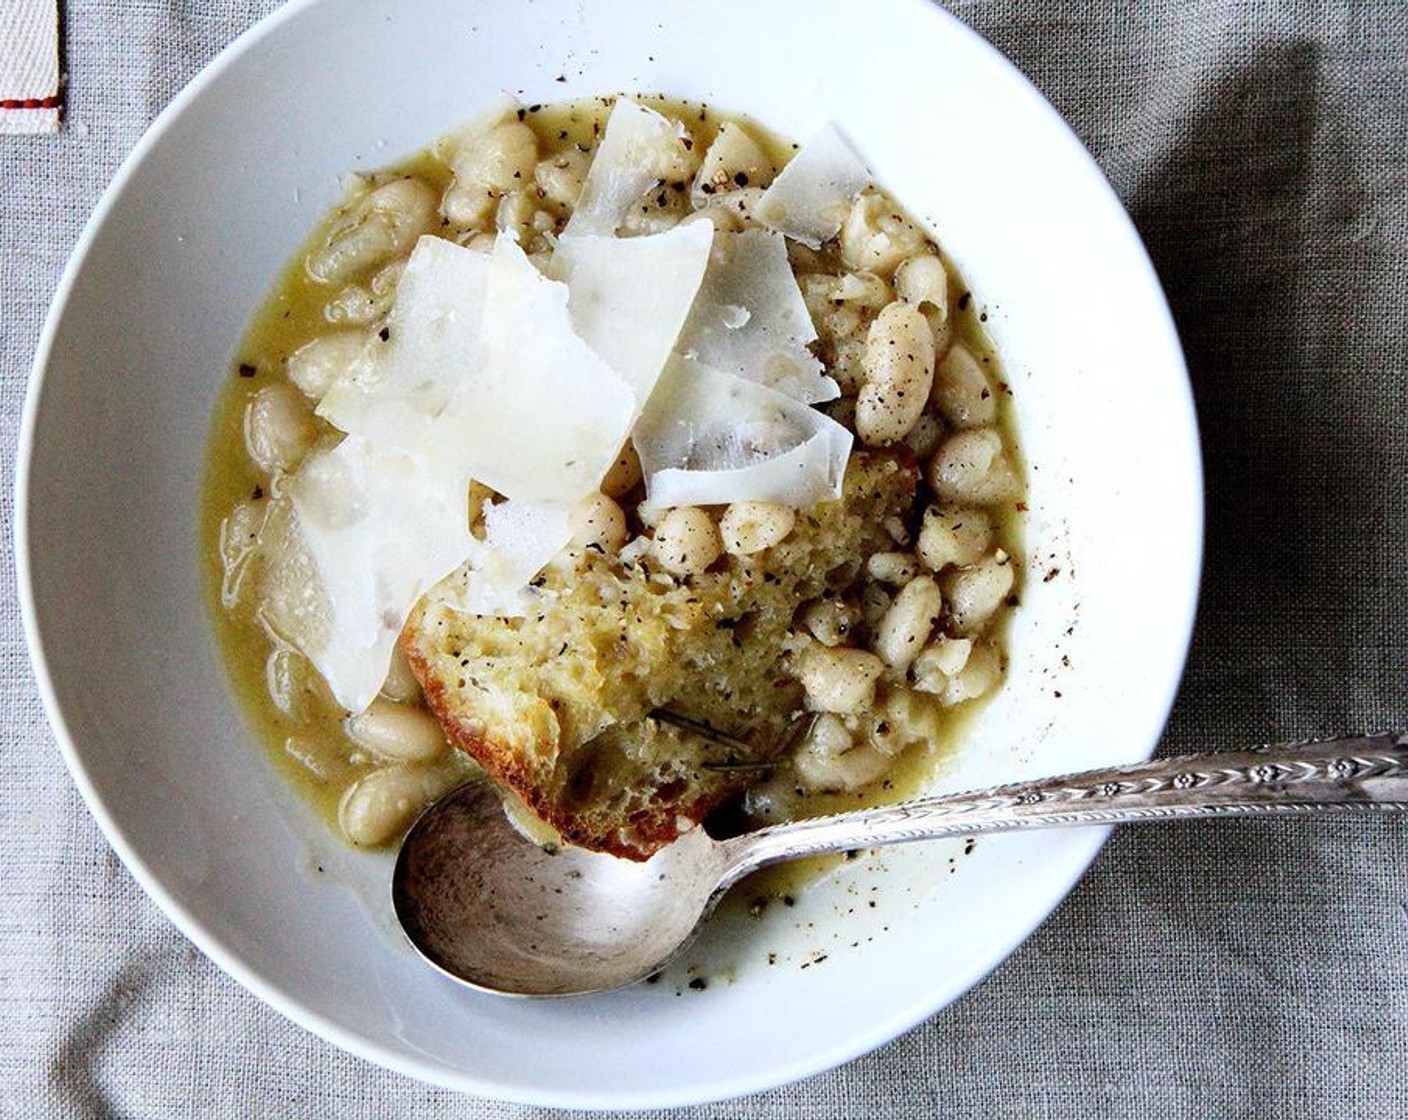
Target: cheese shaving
x=640, y=149
x=520, y=538
x=629, y=296
x=378, y=528
x=408, y=375
x=750, y=319
x=810, y=199
x=710, y=438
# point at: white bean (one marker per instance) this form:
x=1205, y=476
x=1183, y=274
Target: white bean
x=724, y=218
x=899, y=372
x=319, y=365
x=863, y=290
x=896, y=568
x=599, y=521
x=749, y=527
x=486, y=165
x=239, y=542
x=922, y=280
x=560, y=177
x=838, y=680
x=906, y=627
x=515, y=213
x=961, y=393
x=925, y=437
x=980, y=673
x=874, y=602
x=381, y=804
x=830, y=621
x=955, y=535
x=397, y=731
x=278, y=428
x=975, y=593
x=686, y=541
x=876, y=237
x=904, y=719
x=973, y=468
x=828, y=759
x=938, y=661
x=401, y=684
x=383, y=223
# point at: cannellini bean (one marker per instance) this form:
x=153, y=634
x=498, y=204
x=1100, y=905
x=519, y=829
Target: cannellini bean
x=724, y=218
x=319, y=365
x=925, y=436
x=396, y=731
x=352, y=306
x=239, y=542
x=903, y=719
x=974, y=593
x=400, y=684
x=961, y=392
x=829, y=760
x=381, y=804
x=876, y=237
x=953, y=536
x=560, y=177
x=598, y=520
x=646, y=218
x=923, y=281
x=749, y=527
x=830, y=621
x=938, y=661
x=874, y=602
x=481, y=242
x=896, y=568
x=487, y=165
x=740, y=204
x=383, y=223
x=686, y=541
x=838, y=680
x=734, y=160
x=980, y=673
x=972, y=467
x=514, y=214
x=899, y=372
x=906, y=627
x=863, y=290
x=278, y=428
x=624, y=474
x=896, y=530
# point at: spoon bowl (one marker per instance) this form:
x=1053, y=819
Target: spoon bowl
x=493, y=909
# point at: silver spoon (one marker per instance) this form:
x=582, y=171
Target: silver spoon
x=493, y=910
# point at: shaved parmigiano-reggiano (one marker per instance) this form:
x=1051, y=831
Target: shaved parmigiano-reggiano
x=750, y=319
x=405, y=380
x=378, y=528
x=629, y=296
x=710, y=438
x=734, y=160
x=810, y=199
x=520, y=538
x=640, y=149
x=543, y=416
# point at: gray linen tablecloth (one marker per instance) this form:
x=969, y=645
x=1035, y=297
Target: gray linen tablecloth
x=1237, y=970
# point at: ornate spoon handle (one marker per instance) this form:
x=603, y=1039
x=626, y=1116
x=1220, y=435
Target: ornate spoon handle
x=1336, y=775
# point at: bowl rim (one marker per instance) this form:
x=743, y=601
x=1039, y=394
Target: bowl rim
x=229, y=960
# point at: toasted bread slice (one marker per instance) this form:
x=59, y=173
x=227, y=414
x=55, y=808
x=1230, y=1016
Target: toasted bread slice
x=556, y=706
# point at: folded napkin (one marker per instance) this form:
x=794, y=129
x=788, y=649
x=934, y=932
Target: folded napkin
x=29, y=66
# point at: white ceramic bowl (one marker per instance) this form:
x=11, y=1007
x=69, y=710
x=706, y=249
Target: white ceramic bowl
x=184, y=246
